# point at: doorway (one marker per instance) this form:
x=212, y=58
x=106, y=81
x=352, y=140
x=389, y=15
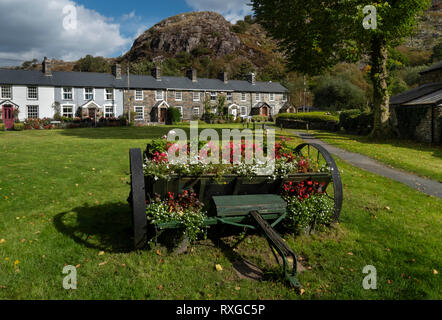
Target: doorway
x=8, y=117
x=163, y=115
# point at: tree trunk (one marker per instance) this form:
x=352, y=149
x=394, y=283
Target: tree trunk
x=381, y=99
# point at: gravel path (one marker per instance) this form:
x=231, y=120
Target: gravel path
x=427, y=186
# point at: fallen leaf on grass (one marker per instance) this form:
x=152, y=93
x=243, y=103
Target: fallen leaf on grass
x=3, y=287
x=218, y=267
x=100, y=253
x=77, y=266
x=23, y=240
x=2, y=241
x=160, y=287
x=159, y=252
x=435, y=271
x=388, y=208
x=102, y=264
x=237, y=288
x=350, y=253
x=389, y=281
x=302, y=291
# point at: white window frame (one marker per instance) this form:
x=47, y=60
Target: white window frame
x=162, y=95
x=137, y=97
x=243, y=96
x=84, y=94
x=229, y=96
x=181, y=110
x=213, y=96
x=136, y=117
x=284, y=97
x=106, y=113
x=243, y=108
x=67, y=106
x=63, y=93
x=27, y=111
x=27, y=93
x=193, y=111
x=258, y=97
x=180, y=96
x=271, y=97
x=106, y=94
x=4, y=88
x=197, y=95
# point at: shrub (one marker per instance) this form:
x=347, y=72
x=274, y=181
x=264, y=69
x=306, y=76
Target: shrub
x=356, y=121
x=314, y=120
x=260, y=118
x=2, y=127
x=309, y=116
x=19, y=126
x=173, y=115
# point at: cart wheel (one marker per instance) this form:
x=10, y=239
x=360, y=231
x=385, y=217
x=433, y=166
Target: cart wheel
x=322, y=160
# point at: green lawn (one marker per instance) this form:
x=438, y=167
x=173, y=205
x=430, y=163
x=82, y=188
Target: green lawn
x=419, y=158
x=63, y=201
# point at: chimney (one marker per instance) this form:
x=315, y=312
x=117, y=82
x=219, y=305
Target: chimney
x=116, y=71
x=251, y=78
x=223, y=76
x=47, y=70
x=192, y=75
x=156, y=73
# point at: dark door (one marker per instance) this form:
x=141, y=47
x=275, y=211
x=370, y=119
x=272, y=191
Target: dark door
x=92, y=113
x=8, y=117
x=163, y=115
x=265, y=112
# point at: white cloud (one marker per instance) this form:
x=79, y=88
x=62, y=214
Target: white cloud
x=232, y=10
x=31, y=29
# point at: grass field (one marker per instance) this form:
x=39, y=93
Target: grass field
x=419, y=158
x=63, y=202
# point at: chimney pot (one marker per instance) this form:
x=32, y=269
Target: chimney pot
x=116, y=71
x=156, y=73
x=223, y=76
x=251, y=78
x=192, y=75
x=47, y=70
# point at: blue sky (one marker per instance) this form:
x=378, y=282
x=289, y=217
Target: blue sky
x=35, y=29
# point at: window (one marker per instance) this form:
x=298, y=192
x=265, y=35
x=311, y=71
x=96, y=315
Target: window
x=109, y=94
x=284, y=97
x=258, y=97
x=32, y=93
x=159, y=95
x=139, y=95
x=229, y=96
x=272, y=97
x=32, y=112
x=244, y=111
x=181, y=110
x=67, y=111
x=196, y=111
x=213, y=96
x=140, y=113
x=6, y=92
x=88, y=94
x=243, y=96
x=196, y=96
x=178, y=96
x=109, y=112
x=67, y=94
x=214, y=110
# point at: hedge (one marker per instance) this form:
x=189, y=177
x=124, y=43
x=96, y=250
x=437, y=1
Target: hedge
x=314, y=121
x=356, y=121
x=19, y=126
x=2, y=127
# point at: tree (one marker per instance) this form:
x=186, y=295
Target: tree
x=316, y=35
x=437, y=53
x=93, y=64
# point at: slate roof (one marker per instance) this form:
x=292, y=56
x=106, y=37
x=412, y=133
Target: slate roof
x=432, y=98
x=259, y=105
x=104, y=80
x=436, y=66
x=415, y=93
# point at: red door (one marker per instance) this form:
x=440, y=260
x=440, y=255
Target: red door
x=8, y=117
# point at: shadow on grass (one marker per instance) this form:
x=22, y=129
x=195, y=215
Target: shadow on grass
x=104, y=227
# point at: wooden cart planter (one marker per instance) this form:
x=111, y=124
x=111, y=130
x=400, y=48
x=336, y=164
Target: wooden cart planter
x=232, y=200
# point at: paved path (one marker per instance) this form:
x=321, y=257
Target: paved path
x=427, y=186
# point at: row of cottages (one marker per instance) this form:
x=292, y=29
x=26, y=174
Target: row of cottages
x=417, y=113
x=94, y=95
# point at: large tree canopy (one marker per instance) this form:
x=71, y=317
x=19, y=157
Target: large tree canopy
x=316, y=35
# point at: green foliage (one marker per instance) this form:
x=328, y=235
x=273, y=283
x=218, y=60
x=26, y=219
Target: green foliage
x=356, y=121
x=315, y=211
x=173, y=115
x=337, y=94
x=93, y=64
x=2, y=127
x=19, y=126
x=309, y=116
